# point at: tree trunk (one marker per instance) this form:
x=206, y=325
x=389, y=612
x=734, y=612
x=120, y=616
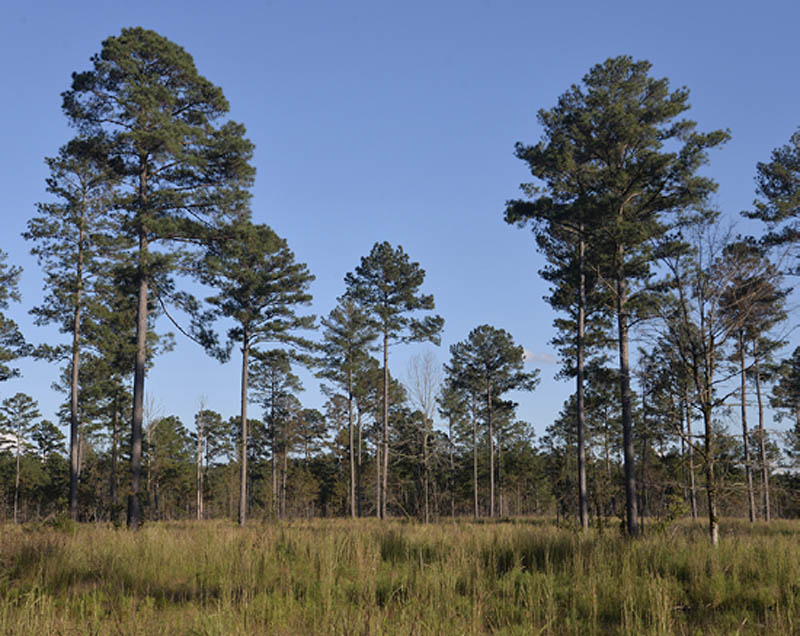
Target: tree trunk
x=692, y=486
x=134, y=505
x=199, y=467
x=378, y=478
x=475, y=459
x=745, y=437
x=426, y=469
x=359, y=465
x=583, y=504
x=452, y=471
x=73, y=407
x=711, y=485
x=113, y=476
x=16, y=478
x=762, y=442
x=491, y=446
x=627, y=413
x=385, y=424
x=351, y=443
x=243, y=462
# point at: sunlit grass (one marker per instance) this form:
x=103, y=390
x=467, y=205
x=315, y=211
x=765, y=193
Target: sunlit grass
x=367, y=577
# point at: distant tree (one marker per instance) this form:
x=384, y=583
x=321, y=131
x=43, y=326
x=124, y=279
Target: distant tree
x=260, y=286
x=387, y=286
x=12, y=342
x=68, y=241
x=17, y=419
x=348, y=334
x=489, y=361
x=181, y=171
x=778, y=196
x=424, y=379
x=276, y=386
x=49, y=439
x=608, y=155
x=454, y=407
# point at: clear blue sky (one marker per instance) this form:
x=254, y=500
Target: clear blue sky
x=396, y=121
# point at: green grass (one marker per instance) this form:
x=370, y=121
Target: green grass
x=341, y=577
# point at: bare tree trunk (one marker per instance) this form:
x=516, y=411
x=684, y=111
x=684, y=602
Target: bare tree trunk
x=284, y=473
x=452, y=470
x=134, y=505
x=385, y=482
x=583, y=504
x=475, y=459
x=114, y=446
x=627, y=413
x=359, y=465
x=491, y=446
x=711, y=485
x=243, y=423
x=426, y=469
x=692, y=486
x=73, y=407
x=745, y=437
x=351, y=442
x=378, y=478
x=762, y=442
x=16, y=478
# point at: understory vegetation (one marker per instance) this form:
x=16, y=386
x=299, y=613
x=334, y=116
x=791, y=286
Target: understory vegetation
x=519, y=576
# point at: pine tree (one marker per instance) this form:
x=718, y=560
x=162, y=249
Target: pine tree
x=608, y=160
x=12, y=342
x=489, y=362
x=387, y=286
x=259, y=285
x=347, y=337
x=17, y=415
x=180, y=170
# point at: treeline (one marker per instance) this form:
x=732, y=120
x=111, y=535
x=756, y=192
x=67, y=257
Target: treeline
x=154, y=190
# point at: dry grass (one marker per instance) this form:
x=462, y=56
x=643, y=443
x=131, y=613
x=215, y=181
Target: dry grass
x=341, y=577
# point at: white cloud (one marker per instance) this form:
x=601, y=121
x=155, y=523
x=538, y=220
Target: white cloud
x=543, y=358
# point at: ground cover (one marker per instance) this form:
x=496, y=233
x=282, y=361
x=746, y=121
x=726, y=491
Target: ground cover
x=367, y=577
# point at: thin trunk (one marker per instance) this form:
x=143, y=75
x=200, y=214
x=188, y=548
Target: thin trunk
x=491, y=446
x=452, y=471
x=243, y=462
x=114, y=451
x=762, y=442
x=16, y=478
x=583, y=504
x=378, y=478
x=500, y=507
x=199, y=467
x=426, y=469
x=745, y=437
x=692, y=486
x=475, y=458
x=359, y=465
x=73, y=409
x=711, y=485
x=352, y=444
x=284, y=473
x=627, y=412
x=385, y=423
x=134, y=505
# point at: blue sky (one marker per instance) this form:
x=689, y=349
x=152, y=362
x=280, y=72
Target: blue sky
x=379, y=121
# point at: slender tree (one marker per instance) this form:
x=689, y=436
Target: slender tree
x=68, y=241
x=260, y=286
x=12, y=342
x=17, y=418
x=180, y=170
x=778, y=197
x=348, y=334
x=489, y=361
x=387, y=286
x=611, y=133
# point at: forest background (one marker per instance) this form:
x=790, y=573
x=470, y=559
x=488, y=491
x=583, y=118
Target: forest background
x=375, y=123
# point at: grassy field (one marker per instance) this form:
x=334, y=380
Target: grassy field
x=341, y=577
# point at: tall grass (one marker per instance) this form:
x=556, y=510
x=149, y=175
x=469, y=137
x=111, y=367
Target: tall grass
x=367, y=577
